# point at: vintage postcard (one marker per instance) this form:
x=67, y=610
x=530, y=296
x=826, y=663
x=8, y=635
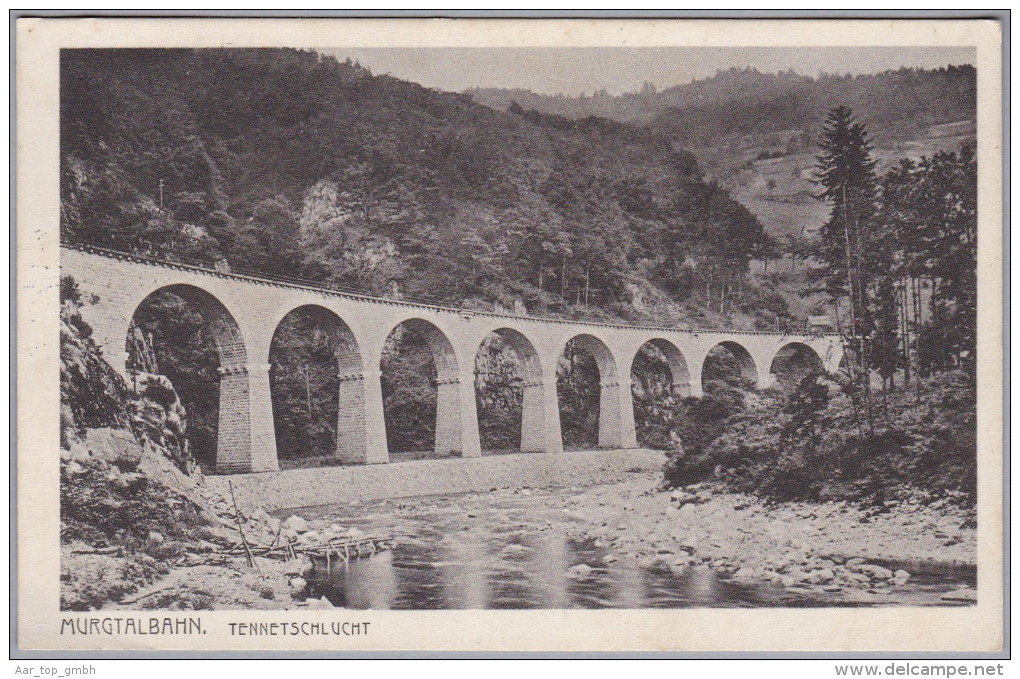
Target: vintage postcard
x=509, y=335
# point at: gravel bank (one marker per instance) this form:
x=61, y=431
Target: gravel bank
x=832, y=547
x=902, y=554
x=308, y=487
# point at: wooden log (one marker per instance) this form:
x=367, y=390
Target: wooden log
x=247, y=549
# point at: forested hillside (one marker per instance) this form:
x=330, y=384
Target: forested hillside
x=291, y=163
x=287, y=163
x=756, y=133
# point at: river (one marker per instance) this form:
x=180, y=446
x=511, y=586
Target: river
x=500, y=551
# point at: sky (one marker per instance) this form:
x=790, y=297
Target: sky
x=575, y=71
x=582, y=70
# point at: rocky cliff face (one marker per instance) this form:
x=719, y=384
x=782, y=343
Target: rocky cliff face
x=139, y=528
x=128, y=501
x=94, y=396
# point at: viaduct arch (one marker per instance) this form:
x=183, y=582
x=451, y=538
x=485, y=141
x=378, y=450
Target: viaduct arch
x=245, y=312
x=535, y=419
x=614, y=429
x=798, y=358
x=350, y=438
x=675, y=362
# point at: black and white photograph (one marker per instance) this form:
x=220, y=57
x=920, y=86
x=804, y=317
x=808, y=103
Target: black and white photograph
x=354, y=329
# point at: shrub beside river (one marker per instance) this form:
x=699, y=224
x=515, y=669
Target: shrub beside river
x=816, y=443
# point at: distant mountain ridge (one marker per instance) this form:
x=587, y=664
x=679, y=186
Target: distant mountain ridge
x=899, y=102
x=757, y=133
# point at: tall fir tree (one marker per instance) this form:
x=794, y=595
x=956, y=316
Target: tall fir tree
x=848, y=249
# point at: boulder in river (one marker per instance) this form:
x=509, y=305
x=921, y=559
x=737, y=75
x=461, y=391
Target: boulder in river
x=798, y=575
x=682, y=497
x=659, y=565
x=899, y=578
x=321, y=604
x=856, y=578
x=874, y=572
x=820, y=576
x=310, y=538
x=297, y=524
x=745, y=573
x=581, y=570
x=514, y=550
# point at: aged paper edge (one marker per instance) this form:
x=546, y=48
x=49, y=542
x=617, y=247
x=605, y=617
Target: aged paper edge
x=977, y=628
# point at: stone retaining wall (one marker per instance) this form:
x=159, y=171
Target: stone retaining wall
x=326, y=485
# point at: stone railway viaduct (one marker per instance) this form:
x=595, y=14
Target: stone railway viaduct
x=243, y=313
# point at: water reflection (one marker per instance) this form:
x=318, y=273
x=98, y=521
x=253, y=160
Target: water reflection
x=519, y=557
x=550, y=559
x=472, y=568
x=373, y=584
x=629, y=587
x=464, y=574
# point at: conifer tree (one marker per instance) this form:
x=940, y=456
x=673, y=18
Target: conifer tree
x=847, y=249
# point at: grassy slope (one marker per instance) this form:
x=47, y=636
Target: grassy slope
x=779, y=191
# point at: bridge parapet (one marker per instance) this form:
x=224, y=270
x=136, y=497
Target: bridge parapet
x=319, y=288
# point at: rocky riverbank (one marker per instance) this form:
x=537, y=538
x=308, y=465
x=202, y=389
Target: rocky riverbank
x=250, y=560
x=832, y=548
x=828, y=553
x=138, y=533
